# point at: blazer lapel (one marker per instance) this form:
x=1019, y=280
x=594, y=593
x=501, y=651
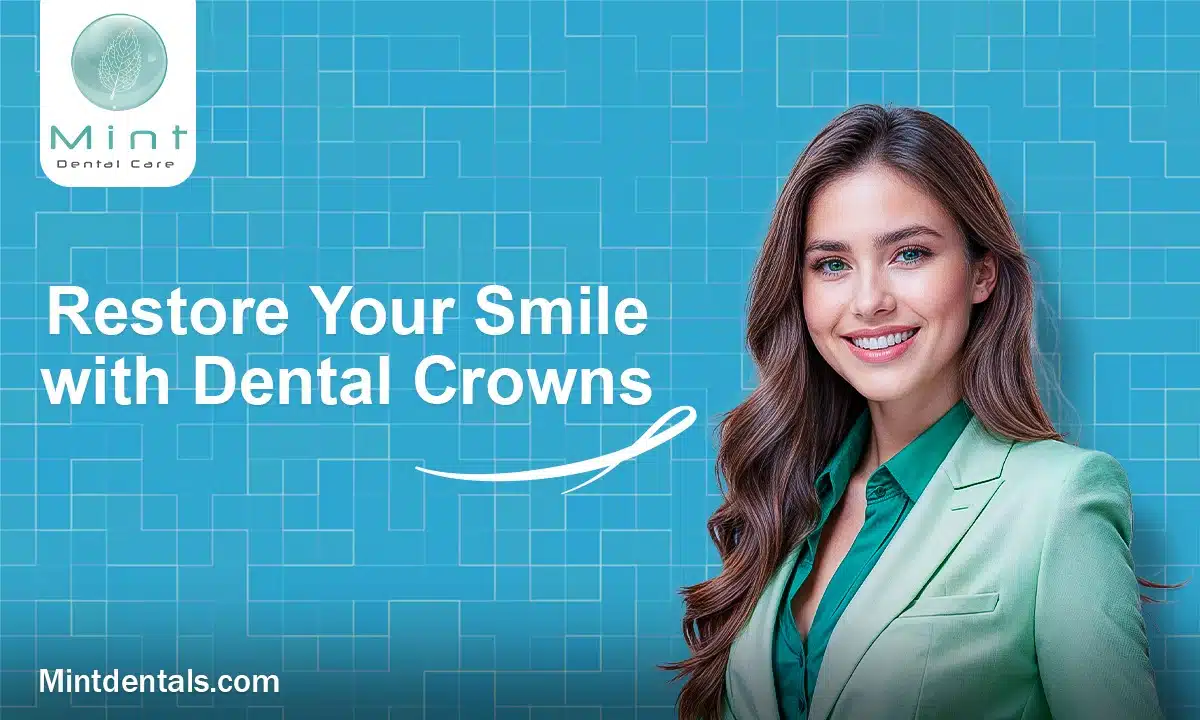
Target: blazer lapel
x=963, y=485
x=750, y=677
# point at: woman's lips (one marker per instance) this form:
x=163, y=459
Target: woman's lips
x=881, y=347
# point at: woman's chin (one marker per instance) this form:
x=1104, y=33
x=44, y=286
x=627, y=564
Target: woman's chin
x=876, y=394
x=882, y=386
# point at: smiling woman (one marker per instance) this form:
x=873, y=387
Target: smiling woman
x=904, y=533
x=888, y=289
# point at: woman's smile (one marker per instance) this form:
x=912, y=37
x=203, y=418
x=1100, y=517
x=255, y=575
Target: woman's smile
x=881, y=345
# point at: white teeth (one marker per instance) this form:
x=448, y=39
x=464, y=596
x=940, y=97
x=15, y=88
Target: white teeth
x=883, y=341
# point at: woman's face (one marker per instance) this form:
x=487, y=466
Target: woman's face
x=887, y=285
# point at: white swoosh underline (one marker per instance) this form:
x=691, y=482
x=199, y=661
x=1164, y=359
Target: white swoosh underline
x=654, y=436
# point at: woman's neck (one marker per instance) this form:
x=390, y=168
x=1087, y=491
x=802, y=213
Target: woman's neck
x=896, y=423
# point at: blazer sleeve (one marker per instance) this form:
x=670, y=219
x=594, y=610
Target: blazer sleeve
x=1092, y=649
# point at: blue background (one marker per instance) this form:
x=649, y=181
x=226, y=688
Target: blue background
x=427, y=148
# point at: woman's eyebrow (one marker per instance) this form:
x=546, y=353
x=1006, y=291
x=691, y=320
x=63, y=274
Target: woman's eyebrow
x=881, y=241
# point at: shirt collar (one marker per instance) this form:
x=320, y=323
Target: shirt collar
x=913, y=467
x=836, y=476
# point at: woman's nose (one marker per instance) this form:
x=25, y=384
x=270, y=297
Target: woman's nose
x=873, y=295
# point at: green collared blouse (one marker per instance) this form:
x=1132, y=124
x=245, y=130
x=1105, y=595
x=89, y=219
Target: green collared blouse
x=891, y=492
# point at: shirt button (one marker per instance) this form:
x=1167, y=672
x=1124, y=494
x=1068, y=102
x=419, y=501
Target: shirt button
x=877, y=492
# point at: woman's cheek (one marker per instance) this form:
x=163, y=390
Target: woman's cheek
x=932, y=291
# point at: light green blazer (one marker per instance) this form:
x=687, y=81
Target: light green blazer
x=1008, y=592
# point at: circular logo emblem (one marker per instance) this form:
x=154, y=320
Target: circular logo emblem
x=119, y=62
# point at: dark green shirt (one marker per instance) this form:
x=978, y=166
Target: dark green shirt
x=891, y=492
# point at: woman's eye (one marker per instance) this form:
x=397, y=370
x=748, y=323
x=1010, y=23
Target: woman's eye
x=833, y=266
x=911, y=255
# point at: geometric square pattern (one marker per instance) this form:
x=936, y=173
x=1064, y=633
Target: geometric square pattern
x=426, y=149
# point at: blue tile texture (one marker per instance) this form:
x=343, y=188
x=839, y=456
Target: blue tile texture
x=427, y=148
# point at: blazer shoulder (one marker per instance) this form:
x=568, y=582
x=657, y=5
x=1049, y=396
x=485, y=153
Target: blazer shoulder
x=1050, y=466
x=1055, y=489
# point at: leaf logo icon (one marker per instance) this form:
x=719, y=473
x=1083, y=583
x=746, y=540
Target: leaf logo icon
x=121, y=63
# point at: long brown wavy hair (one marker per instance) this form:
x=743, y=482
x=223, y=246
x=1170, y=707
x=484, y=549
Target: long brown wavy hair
x=774, y=444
